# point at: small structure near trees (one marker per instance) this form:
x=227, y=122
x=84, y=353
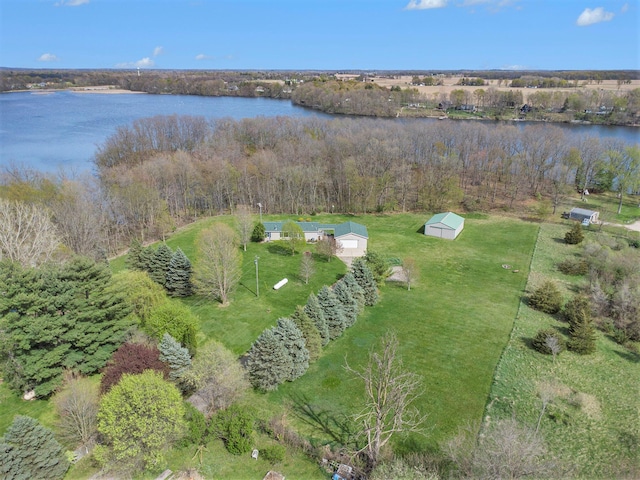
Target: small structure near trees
x=581, y=214
x=444, y=225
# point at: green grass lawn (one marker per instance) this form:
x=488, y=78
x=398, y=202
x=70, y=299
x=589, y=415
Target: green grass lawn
x=593, y=427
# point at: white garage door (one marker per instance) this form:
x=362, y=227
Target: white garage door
x=349, y=243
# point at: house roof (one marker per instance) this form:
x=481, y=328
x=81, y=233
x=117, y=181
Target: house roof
x=448, y=219
x=277, y=226
x=583, y=211
x=350, y=227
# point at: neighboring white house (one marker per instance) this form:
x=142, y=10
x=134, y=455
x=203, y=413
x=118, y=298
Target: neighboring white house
x=351, y=236
x=582, y=214
x=444, y=225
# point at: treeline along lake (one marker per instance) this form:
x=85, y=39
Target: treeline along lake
x=48, y=131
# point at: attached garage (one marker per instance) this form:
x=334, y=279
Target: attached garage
x=353, y=239
x=444, y=225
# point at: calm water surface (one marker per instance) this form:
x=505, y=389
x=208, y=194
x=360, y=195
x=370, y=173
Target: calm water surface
x=63, y=129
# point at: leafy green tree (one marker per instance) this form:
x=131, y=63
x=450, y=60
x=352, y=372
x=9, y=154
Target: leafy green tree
x=312, y=338
x=268, y=362
x=179, y=275
x=362, y=273
x=216, y=379
x=315, y=313
x=546, y=298
x=160, y=264
x=259, y=233
x=625, y=168
x=140, y=292
x=175, y=356
x=140, y=418
x=378, y=266
x=333, y=312
x=57, y=317
x=29, y=451
x=175, y=319
x=349, y=304
x=293, y=235
x=293, y=340
x=234, y=426
x=196, y=426
x=575, y=235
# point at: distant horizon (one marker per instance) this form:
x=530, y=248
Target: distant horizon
x=316, y=35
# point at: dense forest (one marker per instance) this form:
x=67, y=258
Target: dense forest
x=164, y=171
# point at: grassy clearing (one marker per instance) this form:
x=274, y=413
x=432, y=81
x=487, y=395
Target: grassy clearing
x=592, y=426
x=607, y=205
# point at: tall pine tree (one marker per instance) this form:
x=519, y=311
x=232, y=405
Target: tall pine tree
x=312, y=338
x=333, y=312
x=293, y=340
x=364, y=278
x=349, y=304
x=160, y=264
x=315, y=313
x=582, y=333
x=179, y=275
x=356, y=290
x=269, y=364
x=29, y=451
x=133, y=260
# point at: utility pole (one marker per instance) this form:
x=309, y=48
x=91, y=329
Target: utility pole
x=255, y=260
x=260, y=206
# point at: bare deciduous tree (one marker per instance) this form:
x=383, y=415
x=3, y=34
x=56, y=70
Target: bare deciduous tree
x=77, y=406
x=245, y=224
x=27, y=235
x=218, y=270
x=410, y=271
x=307, y=268
x=389, y=393
x=328, y=247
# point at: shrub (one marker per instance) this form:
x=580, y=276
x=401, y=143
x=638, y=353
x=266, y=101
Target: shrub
x=132, y=358
x=574, y=266
x=540, y=341
x=259, y=233
x=196, y=426
x=575, y=235
x=234, y=426
x=273, y=453
x=546, y=298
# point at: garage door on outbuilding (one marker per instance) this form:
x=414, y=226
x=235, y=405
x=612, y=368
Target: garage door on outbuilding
x=444, y=225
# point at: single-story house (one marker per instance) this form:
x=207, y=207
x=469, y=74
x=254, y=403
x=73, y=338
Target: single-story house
x=582, y=214
x=352, y=236
x=444, y=225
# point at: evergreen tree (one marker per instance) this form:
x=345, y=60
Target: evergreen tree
x=356, y=290
x=268, y=363
x=547, y=298
x=174, y=355
x=58, y=317
x=349, y=304
x=333, y=312
x=146, y=258
x=575, y=235
x=179, y=275
x=312, y=338
x=315, y=313
x=378, y=265
x=293, y=340
x=133, y=260
x=365, y=279
x=582, y=334
x=259, y=233
x=29, y=451
x=160, y=264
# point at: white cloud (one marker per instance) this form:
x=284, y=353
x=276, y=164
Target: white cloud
x=145, y=62
x=71, y=3
x=202, y=56
x=48, y=57
x=425, y=4
x=597, y=15
x=624, y=8
x=515, y=67
x=158, y=51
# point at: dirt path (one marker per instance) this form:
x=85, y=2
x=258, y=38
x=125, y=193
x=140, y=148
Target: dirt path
x=634, y=226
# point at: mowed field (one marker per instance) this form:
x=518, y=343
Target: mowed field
x=450, y=82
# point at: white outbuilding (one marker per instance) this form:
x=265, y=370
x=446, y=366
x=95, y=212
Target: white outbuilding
x=444, y=225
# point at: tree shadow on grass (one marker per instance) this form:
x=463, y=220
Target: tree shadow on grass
x=338, y=426
x=629, y=355
x=278, y=249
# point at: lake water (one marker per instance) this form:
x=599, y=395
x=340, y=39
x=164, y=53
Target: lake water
x=63, y=129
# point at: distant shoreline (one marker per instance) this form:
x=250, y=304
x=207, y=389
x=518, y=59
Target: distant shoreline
x=104, y=90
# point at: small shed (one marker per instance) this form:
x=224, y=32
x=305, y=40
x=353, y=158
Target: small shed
x=444, y=225
x=581, y=214
x=352, y=237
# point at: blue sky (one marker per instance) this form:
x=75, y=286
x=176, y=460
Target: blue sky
x=321, y=34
